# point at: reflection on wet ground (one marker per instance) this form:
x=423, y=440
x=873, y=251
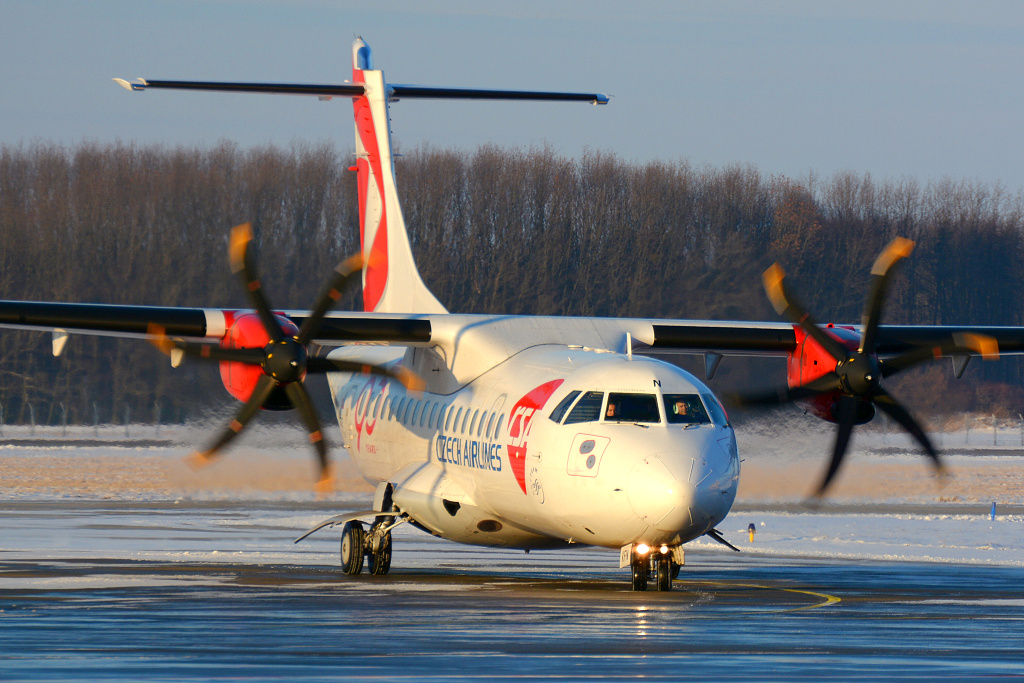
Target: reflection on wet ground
x=452, y=612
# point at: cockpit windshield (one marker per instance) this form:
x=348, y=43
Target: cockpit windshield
x=685, y=409
x=632, y=408
x=587, y=409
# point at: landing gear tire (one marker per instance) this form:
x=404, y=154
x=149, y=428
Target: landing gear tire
x=639, y=574
x=664, y=574
x=675, y=571
x=380, y=559
x=352, y=548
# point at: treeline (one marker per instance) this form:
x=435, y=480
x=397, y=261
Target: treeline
x=494, y=231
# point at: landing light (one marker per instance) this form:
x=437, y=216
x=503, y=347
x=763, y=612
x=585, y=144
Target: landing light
x=664, y=550
x=642, y=549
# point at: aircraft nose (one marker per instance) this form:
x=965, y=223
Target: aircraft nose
x=659, y=494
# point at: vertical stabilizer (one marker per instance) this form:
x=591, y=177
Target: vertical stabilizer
x=391, y=282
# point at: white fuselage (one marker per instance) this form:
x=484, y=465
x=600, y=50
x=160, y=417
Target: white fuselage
x=487, y=464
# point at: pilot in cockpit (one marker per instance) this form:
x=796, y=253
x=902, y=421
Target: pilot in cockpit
x=681, y=408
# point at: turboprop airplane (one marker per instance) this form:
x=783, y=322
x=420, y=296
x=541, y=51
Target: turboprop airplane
x=513, y=431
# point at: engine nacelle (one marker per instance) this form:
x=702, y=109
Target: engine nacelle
x=247, y=332
x=810, y=361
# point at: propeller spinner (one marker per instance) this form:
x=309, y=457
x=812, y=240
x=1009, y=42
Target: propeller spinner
x=284, y=360
x=856, y=379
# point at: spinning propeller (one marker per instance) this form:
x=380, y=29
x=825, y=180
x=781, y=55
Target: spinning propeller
x=856, y=379
x=285, y=359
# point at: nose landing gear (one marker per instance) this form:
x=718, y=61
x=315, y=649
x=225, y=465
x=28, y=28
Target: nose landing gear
x=657, y=564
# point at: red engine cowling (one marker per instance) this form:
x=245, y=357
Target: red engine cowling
x=810, y=361
x=247, y=332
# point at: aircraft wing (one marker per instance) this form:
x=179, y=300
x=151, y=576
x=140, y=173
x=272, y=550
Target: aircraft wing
x=778, y=339
x=197, y=323
x=648, y=335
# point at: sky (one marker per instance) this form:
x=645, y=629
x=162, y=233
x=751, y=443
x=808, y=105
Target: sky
x=915, y=89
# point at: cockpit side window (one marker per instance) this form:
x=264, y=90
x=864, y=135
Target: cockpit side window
x=559, y=412
x=715, y=408
x=685, y=409
x=632, y=408
x=587, y=409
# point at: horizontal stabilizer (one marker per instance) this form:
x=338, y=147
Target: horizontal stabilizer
x=357, y=90
x=344, y=90
x=428, y=92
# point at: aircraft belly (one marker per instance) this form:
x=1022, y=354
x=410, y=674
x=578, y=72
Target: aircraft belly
x=441, y=504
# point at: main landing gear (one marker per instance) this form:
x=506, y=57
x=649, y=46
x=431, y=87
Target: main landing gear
x=375, y=544
x=652, y=565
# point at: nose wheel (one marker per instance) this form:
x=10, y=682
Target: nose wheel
x=653, y=567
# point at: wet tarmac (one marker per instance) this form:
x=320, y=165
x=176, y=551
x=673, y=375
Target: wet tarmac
x=217, y=592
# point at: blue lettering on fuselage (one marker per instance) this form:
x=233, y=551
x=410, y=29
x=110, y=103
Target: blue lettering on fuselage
x=466, y=453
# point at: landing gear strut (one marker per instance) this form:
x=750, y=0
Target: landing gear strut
x=378, y=547
x=374, y=544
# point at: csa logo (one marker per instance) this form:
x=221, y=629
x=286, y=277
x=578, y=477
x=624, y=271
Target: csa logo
x=519, y=427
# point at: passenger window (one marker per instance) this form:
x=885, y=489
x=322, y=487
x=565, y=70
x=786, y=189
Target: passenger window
x=632, y=408
x=718, y=414
x=416, y=413
x=685, y=409
x=433, y=415
x=448, y=420
x=409, y=408
x=480, y=427
x=587, y=409
x=497, y=427
x=559, y=412
x=490, y=425
x=376, y=406
x=472, y=423
x=427, y=407
x=465, y=421
x=400, y=408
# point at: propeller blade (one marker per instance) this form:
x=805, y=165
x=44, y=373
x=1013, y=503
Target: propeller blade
x=409, y=379
x=847, y=414
x=264, y=386
x=788, y=307
x=899, y=248
x=825, y=383
x=300, y=399
x=242, y=264
x=338, y=283
x=959, y=343
x=160, y=340
x=897, y=412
